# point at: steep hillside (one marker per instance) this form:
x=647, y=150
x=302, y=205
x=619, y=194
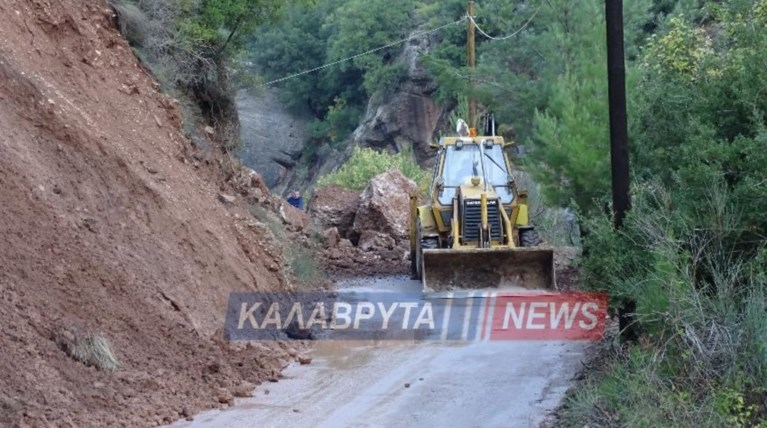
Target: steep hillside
x=109, y=228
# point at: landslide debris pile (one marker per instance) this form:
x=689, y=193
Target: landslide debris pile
x=366, y=232
x=114, y=240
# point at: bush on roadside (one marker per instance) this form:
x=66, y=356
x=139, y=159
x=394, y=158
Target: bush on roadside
x=303, y=264
x=701, y=296
x=366, y=163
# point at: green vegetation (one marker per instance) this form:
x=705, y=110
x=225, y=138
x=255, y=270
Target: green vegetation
x=692, y=253
x=192, y=47
x=547, y=85
x=303, y=264
x=301, y=260
x=328, y=31
x=366, y=163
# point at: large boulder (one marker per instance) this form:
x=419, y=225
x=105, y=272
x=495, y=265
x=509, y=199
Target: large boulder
x=384, y=207
x=334, y=206
x=367, y=233
x=295, y=220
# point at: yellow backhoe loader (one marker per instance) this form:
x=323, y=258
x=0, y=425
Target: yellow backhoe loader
x=474, y=233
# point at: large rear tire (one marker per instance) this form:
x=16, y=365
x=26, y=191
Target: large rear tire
x=423, y=244
x=528, y=237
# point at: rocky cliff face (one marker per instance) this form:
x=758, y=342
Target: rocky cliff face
x=411, y=117
x=273, y=138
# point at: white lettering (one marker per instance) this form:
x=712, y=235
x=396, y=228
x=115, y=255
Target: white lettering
x=273, y=316
x=586, y=311
x=343, y=315
x=425, y=317
x=386, y=314
x=296, y=312
x=516, y=317
x=406, y=317
x=247, y=314
x=563, y=312
x=363, y=315
x=532, y=315
x=317, y=316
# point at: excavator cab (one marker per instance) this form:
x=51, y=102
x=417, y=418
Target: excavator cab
x=475, y=231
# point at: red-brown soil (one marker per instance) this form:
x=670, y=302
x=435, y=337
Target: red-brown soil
x=108, y=226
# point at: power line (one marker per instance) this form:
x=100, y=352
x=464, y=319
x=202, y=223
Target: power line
x=398, y=42
x=481, y=31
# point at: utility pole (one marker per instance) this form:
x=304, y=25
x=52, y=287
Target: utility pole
x=616, y=83
x=619, y=144
x=471, y=60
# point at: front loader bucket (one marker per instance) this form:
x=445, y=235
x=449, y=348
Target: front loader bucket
x=488, y=268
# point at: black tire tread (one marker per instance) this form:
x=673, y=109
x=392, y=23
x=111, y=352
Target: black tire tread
x=529, y=238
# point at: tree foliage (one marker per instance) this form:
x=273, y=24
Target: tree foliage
x=326, y=32
x=366, y=163
x=692, y=252
x=192, y=45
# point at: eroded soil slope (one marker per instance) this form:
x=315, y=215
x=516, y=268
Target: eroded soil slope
x=106, y=227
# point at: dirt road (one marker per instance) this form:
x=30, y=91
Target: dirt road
x=356, y=384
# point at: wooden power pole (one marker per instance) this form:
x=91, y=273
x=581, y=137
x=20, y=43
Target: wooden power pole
x=616, y=83
x=471, y=61
x=619, y=143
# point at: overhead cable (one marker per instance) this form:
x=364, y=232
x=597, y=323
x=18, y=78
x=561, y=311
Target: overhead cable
x=398, y=42
x=481, y=31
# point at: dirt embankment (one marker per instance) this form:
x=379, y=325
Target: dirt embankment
x=110, y=227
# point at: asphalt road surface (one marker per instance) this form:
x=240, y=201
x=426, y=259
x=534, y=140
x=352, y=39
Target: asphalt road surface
x=428, y=383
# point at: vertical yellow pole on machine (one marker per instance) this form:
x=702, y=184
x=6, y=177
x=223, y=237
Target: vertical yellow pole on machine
x=485, y=229
x=456, y=240
x=471, y=61
x=413, y=213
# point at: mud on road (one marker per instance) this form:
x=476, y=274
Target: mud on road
x=365, y=384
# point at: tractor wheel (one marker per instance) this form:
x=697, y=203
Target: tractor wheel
x=423, y=244
x=528, y=237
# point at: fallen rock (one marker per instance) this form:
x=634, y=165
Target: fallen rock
x=371, y=240
x=244, y=390
x=304, y=360
x=293, y=331
x=335, y=206
x=249, y=181
x=224, y=396
x=295, y=219
x=226, y=199
x=185, y=412
x=331, y=237
x=384, y=206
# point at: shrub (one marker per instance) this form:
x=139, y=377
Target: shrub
x=90, y=349
x=700, y=296
x=366, y=163
x=303, y=264
x=557, y=226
